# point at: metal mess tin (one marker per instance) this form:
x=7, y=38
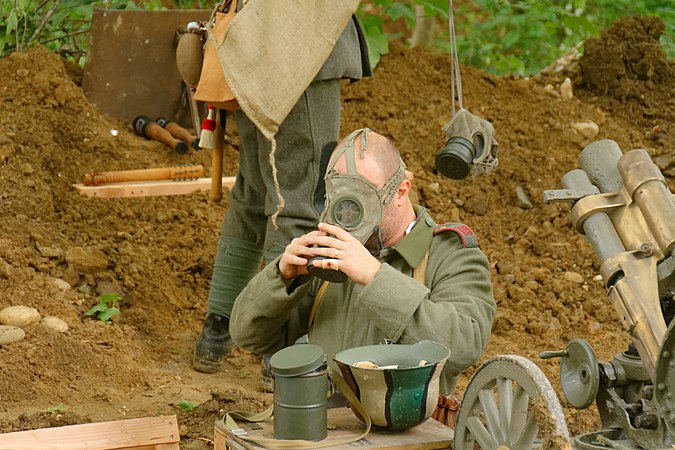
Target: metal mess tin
x=300, y=392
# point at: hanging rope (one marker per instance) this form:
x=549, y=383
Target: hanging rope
x=455, y=75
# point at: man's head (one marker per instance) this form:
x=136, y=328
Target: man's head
x=366, y=189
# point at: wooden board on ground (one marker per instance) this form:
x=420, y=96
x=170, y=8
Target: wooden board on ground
x=151, y=188
x=149, y=433
x=342, y=423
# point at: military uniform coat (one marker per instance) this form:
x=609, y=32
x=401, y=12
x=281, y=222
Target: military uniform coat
x=454, y=306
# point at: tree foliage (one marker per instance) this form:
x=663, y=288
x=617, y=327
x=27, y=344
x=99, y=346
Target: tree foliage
x=513, y=36
x=502, y=36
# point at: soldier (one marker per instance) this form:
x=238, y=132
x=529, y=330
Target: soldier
x=407, y=279
x=248, y=235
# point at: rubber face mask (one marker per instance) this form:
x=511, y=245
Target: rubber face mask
x=352, y=202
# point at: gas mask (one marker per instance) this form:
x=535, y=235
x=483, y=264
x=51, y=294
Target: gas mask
x=469, y=143
x=354, y=203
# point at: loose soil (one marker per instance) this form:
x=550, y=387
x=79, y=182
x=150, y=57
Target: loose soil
x=157, y=252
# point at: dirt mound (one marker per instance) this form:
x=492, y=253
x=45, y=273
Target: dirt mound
x=157, y=252
x=628, y=64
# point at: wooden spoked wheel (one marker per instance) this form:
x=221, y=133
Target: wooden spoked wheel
x=509, y=404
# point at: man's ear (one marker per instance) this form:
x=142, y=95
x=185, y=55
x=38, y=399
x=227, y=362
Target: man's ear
x=403, y=191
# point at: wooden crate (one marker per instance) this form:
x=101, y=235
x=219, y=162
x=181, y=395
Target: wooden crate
x=342, y=423
x=150, y=433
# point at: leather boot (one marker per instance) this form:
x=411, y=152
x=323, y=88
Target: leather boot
x=213, y=344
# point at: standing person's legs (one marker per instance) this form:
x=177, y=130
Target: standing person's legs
x=311, y=129
x=311, y=126
x=239, y=252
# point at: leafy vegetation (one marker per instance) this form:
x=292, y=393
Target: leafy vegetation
x=502, y=36
x=58, y=409
x=106, y=307
x=519, y=37
x=187, y=405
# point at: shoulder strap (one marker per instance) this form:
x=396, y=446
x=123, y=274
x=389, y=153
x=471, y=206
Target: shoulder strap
x=467, y=235
x=419, y=272
x=317, y=302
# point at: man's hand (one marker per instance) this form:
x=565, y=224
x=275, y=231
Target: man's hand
x=344, y=252
x=297, y=254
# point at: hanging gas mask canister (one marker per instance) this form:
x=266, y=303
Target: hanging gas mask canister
x=469, y=143
x=353, y=203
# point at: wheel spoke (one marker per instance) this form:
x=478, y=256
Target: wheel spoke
x=491, y=411
x=505, y=394
x=480, y=433
x=519, y=411
x=529, y=434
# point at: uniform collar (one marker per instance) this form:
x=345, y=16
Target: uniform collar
x=415, y=244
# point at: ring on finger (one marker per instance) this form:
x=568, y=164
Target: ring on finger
x=337, y=253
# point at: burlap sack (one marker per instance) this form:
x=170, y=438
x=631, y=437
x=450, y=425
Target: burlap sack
x=274, y=48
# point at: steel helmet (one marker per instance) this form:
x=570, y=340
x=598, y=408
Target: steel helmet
x=397, y=385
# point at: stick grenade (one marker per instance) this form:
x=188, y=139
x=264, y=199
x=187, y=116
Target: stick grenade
x=216, y=194
x=178, y=132
x=161, y=173
x=149, y=129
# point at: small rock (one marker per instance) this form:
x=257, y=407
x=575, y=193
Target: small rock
x=550, y=90
x=62, y=285
x=54, y=323
x=574, y=277
x=50, y=252
x=587, y=129
x=87, y=259
x=597, y=278
x=523, y=200
x=19, y=316
x=665, y=161
x=476, y=204
x=10, y=334
x=6, y=269
x=504, y=267
x=566, y=89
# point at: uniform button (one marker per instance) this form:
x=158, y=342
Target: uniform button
x=428, y=221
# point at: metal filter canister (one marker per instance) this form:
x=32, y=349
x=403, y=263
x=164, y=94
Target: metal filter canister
x=300, y=392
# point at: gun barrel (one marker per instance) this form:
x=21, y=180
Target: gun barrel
x=598, y=227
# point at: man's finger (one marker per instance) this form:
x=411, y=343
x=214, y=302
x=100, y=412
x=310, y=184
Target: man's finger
x=335, y=231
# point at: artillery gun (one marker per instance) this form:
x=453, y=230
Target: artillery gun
x=623, y=206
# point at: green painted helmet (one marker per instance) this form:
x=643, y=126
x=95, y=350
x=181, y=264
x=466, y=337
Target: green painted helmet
x=396, y=384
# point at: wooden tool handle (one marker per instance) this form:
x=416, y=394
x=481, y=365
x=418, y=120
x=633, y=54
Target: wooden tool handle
x=179, y=132
x=157, y=133
x=161, y=173
x=151, y=130
x=216, y=192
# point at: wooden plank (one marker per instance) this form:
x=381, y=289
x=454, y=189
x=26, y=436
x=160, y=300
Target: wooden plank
x=157, y=188
x=158, y=433
x=150, y=188
x=429, y=435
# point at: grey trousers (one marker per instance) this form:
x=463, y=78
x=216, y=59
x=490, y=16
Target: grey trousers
x=247, y=232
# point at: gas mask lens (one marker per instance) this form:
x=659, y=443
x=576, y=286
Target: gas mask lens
x=348, y=213
x=456, y=158
x=469, y=142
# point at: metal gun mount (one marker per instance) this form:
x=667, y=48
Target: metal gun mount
x=623, y=206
